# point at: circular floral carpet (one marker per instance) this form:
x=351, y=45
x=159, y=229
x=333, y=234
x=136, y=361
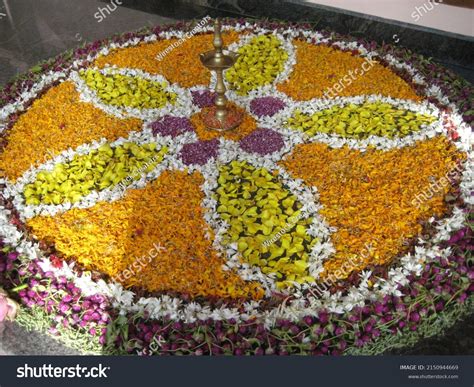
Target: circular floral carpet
x=334, y=220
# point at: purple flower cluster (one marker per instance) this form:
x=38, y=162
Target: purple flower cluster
x=57, y=296
x=262, y=141
x=203, y=98
x=171, y=126
x=199, y=152
x=266, y=106
x=7, y=261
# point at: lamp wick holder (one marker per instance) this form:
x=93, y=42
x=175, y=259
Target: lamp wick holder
x=221, y=117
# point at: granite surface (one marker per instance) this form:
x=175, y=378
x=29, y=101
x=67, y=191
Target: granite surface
x=34, y=30
x=16, y=340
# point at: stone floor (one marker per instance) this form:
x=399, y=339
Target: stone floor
x=15, y=340
x=34, y=30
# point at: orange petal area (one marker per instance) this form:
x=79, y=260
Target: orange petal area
x=153, y=238
x=247, y=126
x=180, y=64
x=372, y=197
x=55, y=122
x=319, y=68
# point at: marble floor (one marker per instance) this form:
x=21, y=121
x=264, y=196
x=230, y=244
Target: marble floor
x=35, y=30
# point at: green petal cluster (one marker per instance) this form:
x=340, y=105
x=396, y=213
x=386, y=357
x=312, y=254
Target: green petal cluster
x=360, y=121
x=265, y=221
x=259, y=63
x=102, y=168
x=126, y=91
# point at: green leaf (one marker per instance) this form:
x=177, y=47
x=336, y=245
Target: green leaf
x=36, y=69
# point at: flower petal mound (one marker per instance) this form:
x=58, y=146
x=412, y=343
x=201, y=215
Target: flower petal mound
x=335, y=219
x=259, y=63
x=265, y=222
x=103, y=168
x=361, y=121
x=127, y=91
x=55, y=122
x=266, y=106
x=203, y=98
x=153, y=238
x=171, y=126
x=373, y=198
x=263, y=141
x=200, y=152
x=322, y=71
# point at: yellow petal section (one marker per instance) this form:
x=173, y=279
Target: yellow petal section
x=377, y=200
x=324, y=71
x=265, y=221
x=55, y=122
x=260, y=61
x=180, y=58
x=154, y=238
x=128, y=91
x=361, y=121
x=103, y=168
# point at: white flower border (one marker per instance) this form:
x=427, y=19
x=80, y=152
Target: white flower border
x=15, y=191
x=182, y=105
x=295, y=309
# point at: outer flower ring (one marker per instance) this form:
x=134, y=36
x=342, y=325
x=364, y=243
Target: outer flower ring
x=278, y=244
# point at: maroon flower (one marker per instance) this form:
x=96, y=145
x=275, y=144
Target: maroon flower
x=262, y=141
x=203, y=98
x=199, y=152
x=171, y=126
x=266, y=106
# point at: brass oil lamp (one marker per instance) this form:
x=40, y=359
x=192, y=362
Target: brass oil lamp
x=218, y=61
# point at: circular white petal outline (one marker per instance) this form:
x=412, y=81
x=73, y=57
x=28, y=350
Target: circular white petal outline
x=167, y=306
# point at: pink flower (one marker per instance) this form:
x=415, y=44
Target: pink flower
x=8, y=307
